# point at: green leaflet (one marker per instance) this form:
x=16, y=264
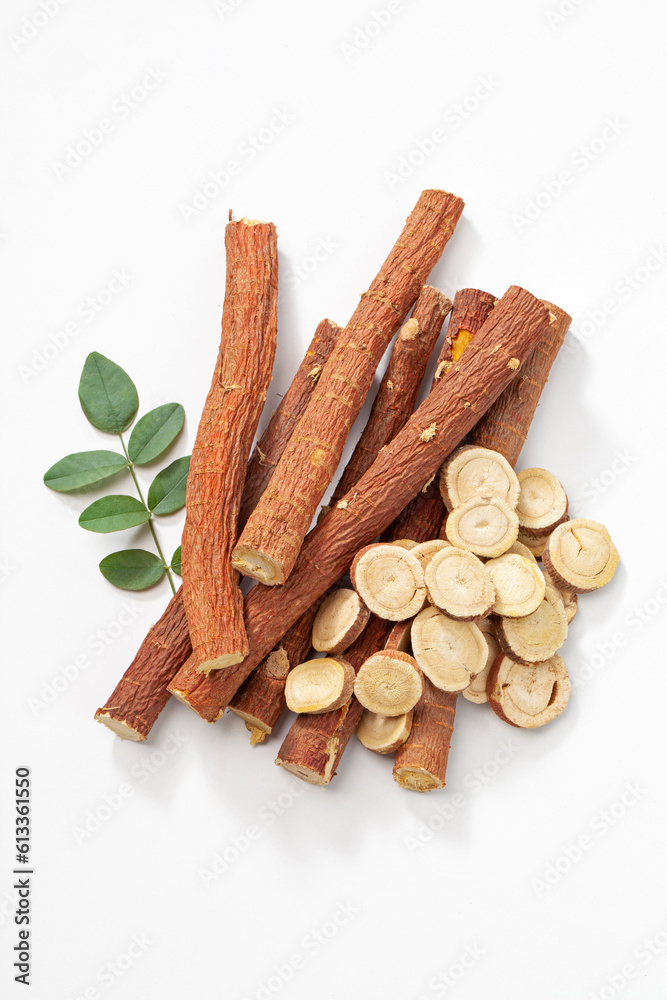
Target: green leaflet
x=176, y=561
x=114, y=513
x=107, y=394
x=166, y=493
x=83, y=468
x=155, y=432
x=132, y=569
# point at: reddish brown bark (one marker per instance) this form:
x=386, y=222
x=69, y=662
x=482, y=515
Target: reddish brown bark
x=421, y=763
x=426, y=513
x=469, y=311
x=273, y=441
x=167, y=646
x=505, y=425
x=141, y=693
x=211, y=592
x=400, y=470
x=260, y=700
x=315, y=744
x=270, y=542
x=396, y=397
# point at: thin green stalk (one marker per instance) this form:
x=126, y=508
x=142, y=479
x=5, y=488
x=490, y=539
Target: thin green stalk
x=130, y=466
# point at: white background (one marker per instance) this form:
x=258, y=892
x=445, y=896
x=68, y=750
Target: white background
x=520, y=94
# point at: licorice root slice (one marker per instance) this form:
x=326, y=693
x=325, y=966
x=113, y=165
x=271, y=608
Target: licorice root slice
x=485, y=524
x=542, y=503
x=470, y=469
x=399, y=637
x=476, y=690
x=580, y=556
x=450, y=653
x=341, y=618
x=521, y=549
x=389, y=580
x=518, y=583
x=320, y=685
x=404, y=543
x=389, y=683
x=528, y=695
x=425, y=551
x=384, y=734
x=538, y=636
x=459, y=584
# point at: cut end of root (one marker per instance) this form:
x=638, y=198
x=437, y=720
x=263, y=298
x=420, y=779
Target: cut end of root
x=250, y=562
x=417, y=779
x=303, y=772
x=121, y=729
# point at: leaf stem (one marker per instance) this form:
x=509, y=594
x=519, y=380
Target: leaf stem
x=130, y=466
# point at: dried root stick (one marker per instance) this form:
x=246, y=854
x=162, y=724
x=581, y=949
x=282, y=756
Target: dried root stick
x=396, y=397
x=270, y=542
x=470, y=309
x=279, y=430
x=314, y=745
x=398, y=473
x=141, y=694
x=211, y=593
x=261, y=700
x=421, y=763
